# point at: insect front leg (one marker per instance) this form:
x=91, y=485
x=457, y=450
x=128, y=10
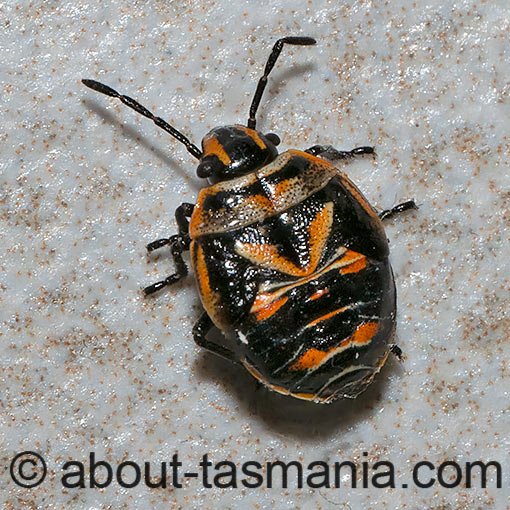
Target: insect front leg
x=178, y=244
x=330, y=152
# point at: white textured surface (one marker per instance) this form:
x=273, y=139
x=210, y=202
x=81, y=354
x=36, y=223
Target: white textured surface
x=88, y=364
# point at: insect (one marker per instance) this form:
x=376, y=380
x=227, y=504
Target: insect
x=290, y=259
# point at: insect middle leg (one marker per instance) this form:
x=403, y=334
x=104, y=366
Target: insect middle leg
x=330, y=152
x=178, y=244
x=183, y=212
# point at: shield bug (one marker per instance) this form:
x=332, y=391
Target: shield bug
x=290, y=259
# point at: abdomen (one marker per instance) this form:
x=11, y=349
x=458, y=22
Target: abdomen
x=325, y=336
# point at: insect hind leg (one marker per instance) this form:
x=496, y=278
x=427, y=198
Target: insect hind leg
x=203, y=325
x=397, y=351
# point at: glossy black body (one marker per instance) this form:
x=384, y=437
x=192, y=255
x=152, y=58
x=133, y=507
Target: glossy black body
x=272, y=346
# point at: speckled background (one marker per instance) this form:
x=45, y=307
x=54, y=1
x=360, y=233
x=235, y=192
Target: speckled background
x=88, y=364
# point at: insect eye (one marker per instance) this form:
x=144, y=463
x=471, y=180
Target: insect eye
x=274, y=139
x=205, y=169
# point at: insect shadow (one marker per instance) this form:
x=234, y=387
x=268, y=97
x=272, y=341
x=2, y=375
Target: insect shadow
x=289, y=416
x=133, y=134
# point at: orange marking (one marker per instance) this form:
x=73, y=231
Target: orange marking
x=259, y=201
x=314, y=358
x=364, y=333
x=256, y=206
x=315, y=177
x=355, y=262
x=317, y=294
x=252, y=134
x=311, y=358
x=283, y=188
x=270, y=309
x=304, y=396
x=266, y=255
x=212, y=146
x=314, y=159
x=279, y=389
x=327, y=316
x=319, y=232
x=261, y=301
x=355, y=267
x=203, y=277
x=209, y=297
x=196, y=219
x=263, y=298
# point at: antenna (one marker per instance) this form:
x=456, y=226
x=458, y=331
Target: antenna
x=135, y=105
x=271, y=61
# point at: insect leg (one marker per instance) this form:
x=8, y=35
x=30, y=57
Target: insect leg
x=397, y=351
x=203, y=325
x=330, y=152
x=271, y=61
x=178, y=244
x=404, y=206
x=181, y=213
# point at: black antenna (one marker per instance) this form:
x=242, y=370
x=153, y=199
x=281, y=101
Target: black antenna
x=271, y=61
x=135, y=105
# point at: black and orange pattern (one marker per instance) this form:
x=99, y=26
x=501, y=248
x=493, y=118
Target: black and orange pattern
x=302, y=272
x=290, y=259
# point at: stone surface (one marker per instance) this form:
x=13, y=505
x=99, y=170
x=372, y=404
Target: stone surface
x=88, y=364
